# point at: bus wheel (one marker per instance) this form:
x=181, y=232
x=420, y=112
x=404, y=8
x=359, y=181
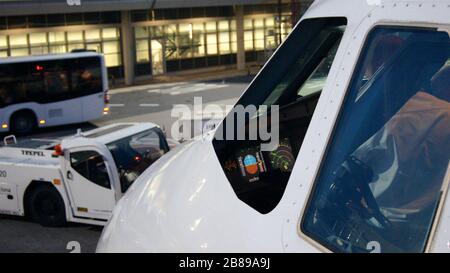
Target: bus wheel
x=46, y=207
x=23, y=123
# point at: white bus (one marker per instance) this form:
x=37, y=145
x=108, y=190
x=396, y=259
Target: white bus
x=50, y=90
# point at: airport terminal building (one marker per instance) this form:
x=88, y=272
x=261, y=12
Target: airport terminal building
x=144, y=38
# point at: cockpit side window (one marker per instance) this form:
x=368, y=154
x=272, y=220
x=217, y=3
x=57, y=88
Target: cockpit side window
x=292, y=80
x=381, y=178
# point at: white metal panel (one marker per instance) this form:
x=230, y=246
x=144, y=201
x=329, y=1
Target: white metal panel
x=407, y=13
x=86, y=195
x=196, y=209
x=193, y=210
x=9, y=199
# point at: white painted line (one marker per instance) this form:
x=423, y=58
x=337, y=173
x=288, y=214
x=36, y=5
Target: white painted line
x=149, y=105
x=116, y=105
x=199, y=88
x=154, y=91
x=145, y=87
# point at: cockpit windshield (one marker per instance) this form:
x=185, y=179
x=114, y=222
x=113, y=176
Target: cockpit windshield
x=382, y=177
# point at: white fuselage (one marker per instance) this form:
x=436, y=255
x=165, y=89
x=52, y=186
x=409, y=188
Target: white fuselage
x=185, y=203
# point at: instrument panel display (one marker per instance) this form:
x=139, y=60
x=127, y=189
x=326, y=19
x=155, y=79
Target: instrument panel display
x=282, y=158
x=251, y=163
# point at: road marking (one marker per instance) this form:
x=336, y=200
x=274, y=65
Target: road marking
x=145, y=87
x=200, y=87
x=154, y=91
x=149, y=105
x=116, y=105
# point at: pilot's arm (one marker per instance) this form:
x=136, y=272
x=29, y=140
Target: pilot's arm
x=411, y=148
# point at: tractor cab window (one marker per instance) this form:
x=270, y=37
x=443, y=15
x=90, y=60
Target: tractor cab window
x=382, y=176
x=134, y=154
x=293, y=80
x=91, y=166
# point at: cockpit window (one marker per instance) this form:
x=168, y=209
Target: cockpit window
x=308, y=74
x=316, y=81
x=293, y=80
x=380, y=182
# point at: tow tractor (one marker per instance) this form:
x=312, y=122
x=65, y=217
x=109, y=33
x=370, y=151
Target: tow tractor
x=79, y=178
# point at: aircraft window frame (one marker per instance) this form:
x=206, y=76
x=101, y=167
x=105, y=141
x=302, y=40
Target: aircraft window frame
x=445, y=183
x=259, y=178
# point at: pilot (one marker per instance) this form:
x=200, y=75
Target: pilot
x=410, y=155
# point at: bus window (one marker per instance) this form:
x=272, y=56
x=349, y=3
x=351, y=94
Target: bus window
x=49, y=81
x=86, y=76
x=55, y=80
x=293, y=79
x=13, y=83
x=33, y=83
x=5, y=97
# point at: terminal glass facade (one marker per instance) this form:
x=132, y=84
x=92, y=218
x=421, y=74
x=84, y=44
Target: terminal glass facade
x=163, y=40
x=208, y=38
x=62, y=33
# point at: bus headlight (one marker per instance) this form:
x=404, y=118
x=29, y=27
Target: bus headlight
x=105, y=110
